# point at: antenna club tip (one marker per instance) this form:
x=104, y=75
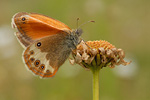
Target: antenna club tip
x=78, y=18
x=92, y=21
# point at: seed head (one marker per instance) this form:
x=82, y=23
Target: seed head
x=98, y=53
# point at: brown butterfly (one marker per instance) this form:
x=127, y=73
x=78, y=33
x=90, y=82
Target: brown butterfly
x=47, y=42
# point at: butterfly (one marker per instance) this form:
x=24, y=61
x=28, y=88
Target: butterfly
x=47, y=42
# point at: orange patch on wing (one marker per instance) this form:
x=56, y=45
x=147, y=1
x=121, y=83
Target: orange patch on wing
x=36, y=26
x=49, y=21
x=41, y=73
x=26, y=55
x=50, y=74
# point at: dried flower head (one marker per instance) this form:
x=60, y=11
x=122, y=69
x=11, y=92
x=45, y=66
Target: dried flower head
x=98, y=53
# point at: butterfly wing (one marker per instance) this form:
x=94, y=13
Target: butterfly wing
x=46, y=55
x=32, y=26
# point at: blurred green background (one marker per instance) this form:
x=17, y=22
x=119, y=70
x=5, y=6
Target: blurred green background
x=124, y=23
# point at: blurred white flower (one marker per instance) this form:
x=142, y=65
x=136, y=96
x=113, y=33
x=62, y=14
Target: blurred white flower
x=128, y=72
x=7, y=42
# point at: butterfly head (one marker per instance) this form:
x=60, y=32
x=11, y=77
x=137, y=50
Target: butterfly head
x=75, y=34
x=75, y=37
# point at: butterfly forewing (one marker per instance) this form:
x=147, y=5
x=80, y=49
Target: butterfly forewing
x=32, y=26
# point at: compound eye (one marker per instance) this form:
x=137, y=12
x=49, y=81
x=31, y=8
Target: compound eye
x=79, y=32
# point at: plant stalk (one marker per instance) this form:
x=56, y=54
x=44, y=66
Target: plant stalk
x=95, y=72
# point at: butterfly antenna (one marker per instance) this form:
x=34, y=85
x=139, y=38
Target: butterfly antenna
x=77, y=22
x=86, y=23
x=82, y=25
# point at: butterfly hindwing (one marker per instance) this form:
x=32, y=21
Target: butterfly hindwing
x=46, y=55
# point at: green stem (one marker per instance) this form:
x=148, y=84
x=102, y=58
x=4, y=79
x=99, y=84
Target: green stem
x=95, y=83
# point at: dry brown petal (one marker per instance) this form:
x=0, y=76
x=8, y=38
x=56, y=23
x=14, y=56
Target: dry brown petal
x=72, y=61
x=93, y=52
x=88, y=61
x=109, y=53
x=102, y=50
x=85, y=56
x=121, y=53
x=78, y=58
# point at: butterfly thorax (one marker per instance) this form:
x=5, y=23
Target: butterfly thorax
x=74, y=38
